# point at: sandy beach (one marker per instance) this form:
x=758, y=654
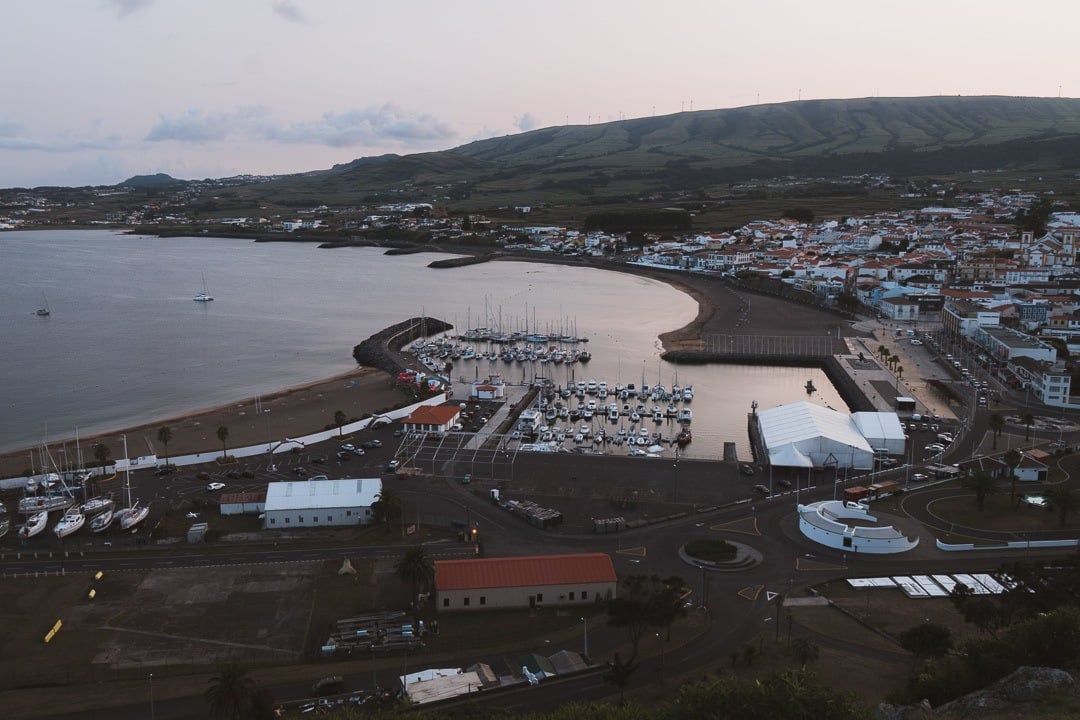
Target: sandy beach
x=290, y=412
x=308, y=408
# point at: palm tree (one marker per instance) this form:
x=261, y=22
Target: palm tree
x=982, y=484
x=101, y=454
x=164, y=435
x=997, y=424
x=415, y=568
x=387, y=506
x=339, y=420
x=1012, y=458
x=1028, y=421
x=1064, y=500
x=882, y=351
x=806, y=650
x=230, y=694
x=223, y=435
x=900, y=371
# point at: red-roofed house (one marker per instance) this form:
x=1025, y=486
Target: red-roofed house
x=521, y=582
x=432, y=418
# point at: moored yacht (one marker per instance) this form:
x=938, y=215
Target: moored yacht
x=34, y=525
x=71, y=522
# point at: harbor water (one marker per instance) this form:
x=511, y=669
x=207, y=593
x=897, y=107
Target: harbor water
x=125, y=344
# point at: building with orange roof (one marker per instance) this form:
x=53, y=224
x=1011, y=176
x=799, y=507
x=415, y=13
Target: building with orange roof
x=432, y=418
x=521, y=582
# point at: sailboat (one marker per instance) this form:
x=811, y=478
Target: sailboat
x=133, y=513
x=44, y=310
x=204, y=296
x=34, y=524
x=102, y=521
x=5, y=521
x=72, y=521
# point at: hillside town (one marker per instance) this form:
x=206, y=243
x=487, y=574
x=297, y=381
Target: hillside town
x=995, y=269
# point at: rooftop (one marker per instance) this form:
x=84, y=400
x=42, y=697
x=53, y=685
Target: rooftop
x=320, y=494
x=527, y=571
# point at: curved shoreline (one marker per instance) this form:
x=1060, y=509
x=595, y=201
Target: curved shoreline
x=310, y=406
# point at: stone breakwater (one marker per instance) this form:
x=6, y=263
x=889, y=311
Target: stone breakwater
x=383, y=349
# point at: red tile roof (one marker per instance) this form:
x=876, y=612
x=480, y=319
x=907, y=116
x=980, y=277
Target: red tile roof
x=243, y=497
x=524, y=571
x=437, y=415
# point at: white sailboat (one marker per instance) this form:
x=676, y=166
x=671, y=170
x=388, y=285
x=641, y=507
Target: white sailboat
x=34, y=525
x=102, y=521
x=204, y=296
x=71, y=522
x=44, y=310
x=133, y=513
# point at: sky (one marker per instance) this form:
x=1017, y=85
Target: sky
x=95, y=91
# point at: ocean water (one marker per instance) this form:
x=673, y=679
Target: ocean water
x=125, y=343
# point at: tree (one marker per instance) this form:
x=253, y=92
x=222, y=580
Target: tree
x=339, y=420
x=900, y=371
x=982, y=484
x=1012, y=459
x=997, y=424
x=387, y=507
x=882, y=351
x=231, y=694
x=223, y=435
x=806, y=651
x=101, y=454
x=1064, y=500
x=645, y=601
x=928, y=640
x=619, y=673
x=164, y=435
x=1028, y=421
x=415, y=568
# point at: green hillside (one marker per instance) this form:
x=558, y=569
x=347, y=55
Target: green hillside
x=692, y=151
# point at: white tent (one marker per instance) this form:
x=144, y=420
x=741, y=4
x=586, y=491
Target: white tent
x=882, y=430
x=795, y=433
x=789, y=456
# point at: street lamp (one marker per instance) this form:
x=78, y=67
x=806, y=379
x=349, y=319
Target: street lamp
x=662, y=657
x=585, y=624
x=151, y=696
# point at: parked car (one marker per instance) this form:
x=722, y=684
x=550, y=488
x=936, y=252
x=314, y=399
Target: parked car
x=934, y=448
x=347, y=447
x=746, y=469
x=358, y=451
x=202, y=475
x=215, y=486
x=299, y=470
x=318, y=477
x=249, y=474
x=783, y=482
x=343, y=454
x=918, y=477
x=916, y=341
x=318, y=459
x=233, y=474
x=392, y=466
x=763, y=489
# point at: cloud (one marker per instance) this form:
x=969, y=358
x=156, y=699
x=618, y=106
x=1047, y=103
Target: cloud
x=13, y=136
x=193, y=126
x=382, y=125
x=124, y=8
x=366, y=126
x=526, y=122
x=288, y=11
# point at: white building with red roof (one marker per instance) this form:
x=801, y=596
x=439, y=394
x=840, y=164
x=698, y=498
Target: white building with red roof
x=521, y=582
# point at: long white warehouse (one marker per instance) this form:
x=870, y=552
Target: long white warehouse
x=320, y=503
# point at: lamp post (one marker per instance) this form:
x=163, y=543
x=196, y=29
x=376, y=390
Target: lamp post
x=662, y=656
x=585, y=625
x=151, y=696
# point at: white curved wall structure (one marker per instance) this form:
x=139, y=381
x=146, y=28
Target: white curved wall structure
x=823, y=523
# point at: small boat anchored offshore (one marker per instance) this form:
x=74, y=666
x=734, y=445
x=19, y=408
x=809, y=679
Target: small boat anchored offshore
x=204, y=296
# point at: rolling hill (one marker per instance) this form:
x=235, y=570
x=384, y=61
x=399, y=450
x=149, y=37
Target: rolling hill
x=606, y=162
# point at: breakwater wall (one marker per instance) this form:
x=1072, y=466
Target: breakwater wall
x=381, y=350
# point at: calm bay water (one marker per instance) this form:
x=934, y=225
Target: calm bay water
x=125, y=344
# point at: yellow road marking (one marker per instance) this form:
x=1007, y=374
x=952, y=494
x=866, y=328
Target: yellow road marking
x=635, y=551
x=751, y=593
x=746, y=526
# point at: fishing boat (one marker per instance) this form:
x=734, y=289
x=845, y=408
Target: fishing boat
x=102, y=521
x=684, y=438
x=34, y=525
x=204, y=296
x=71, y=522
x=44, y=310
